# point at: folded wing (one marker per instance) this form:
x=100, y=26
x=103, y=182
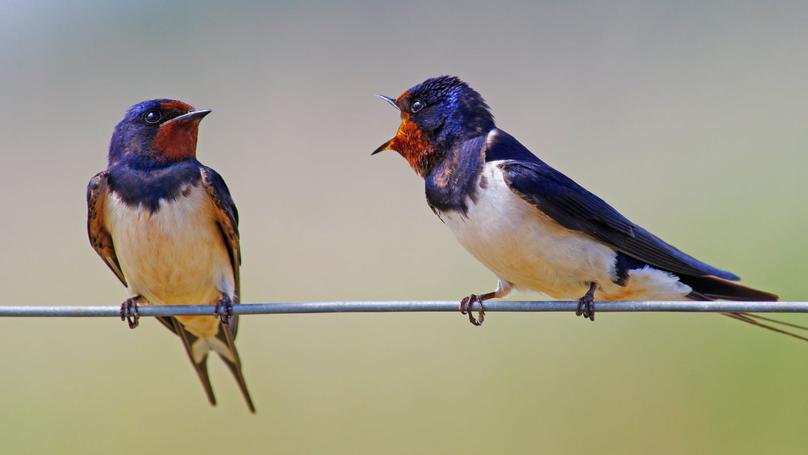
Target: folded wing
x=577, y=209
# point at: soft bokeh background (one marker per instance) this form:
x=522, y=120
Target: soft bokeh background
x=689, y=117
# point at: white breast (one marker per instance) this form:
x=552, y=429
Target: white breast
x=175, y=255
x=530, y=250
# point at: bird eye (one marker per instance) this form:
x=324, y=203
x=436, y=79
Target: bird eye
x=152, y=117
x=417, y=105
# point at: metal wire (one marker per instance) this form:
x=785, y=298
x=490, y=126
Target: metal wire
x=408, y=307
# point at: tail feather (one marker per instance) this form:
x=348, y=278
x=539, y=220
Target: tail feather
x=712, y=288
x=199, y=364
x=785, y=323
x=755, y=320
x=198, y=348
x=229, y=354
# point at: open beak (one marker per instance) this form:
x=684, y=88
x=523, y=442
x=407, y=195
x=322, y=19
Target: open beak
x=383, y=147
x=386, y=145
x=193, y=116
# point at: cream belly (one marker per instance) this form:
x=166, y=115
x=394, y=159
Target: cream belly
x=174, y=256
x=531, y=251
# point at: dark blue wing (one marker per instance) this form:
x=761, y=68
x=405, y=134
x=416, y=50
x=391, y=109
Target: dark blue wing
x=575, y=208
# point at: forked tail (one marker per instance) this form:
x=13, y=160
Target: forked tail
x=198, y=348
x=712, y=288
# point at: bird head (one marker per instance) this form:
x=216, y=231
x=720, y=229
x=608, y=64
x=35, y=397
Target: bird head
x=157, y=132
x=435, y=115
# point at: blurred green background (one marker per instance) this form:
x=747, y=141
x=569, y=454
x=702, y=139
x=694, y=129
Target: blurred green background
x=690, y=117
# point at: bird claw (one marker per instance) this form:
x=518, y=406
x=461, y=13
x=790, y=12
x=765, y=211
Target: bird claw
x=224, y=310
x=586, y=304
x=466, y=308
x=586, y=308
x=129, y=312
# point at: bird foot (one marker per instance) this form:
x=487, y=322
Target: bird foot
x=129, y=312
x=224, y=310
x=465, y=308
x=586, y=304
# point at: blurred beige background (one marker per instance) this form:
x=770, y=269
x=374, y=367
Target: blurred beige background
x=688, y=117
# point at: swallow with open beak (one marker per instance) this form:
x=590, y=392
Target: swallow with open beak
x=531, y=225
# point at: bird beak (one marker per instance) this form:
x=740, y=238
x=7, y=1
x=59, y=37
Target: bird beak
x=193, y=116
x=386, y=145
x=383, y=147
x=391, y=101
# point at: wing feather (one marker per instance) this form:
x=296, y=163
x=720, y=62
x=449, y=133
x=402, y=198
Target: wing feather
x=226, y=217
x=575, y=208
x=227, y=221
x=100, y=238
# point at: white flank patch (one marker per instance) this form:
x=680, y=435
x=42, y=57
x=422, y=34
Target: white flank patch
x=527, y=248
x=652, y=284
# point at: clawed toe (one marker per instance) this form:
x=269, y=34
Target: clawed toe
x=586, y=308
x=466, y=308
x=129, y=312
x=224, y=310
x=586, y=304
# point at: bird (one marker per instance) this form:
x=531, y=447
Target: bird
x=167, y=227
x=532, y=226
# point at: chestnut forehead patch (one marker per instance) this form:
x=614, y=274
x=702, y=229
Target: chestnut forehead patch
x=177, y=106
x=403, y=96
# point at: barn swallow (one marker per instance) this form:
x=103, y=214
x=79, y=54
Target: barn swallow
x=531, y=225
x=167, y=227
